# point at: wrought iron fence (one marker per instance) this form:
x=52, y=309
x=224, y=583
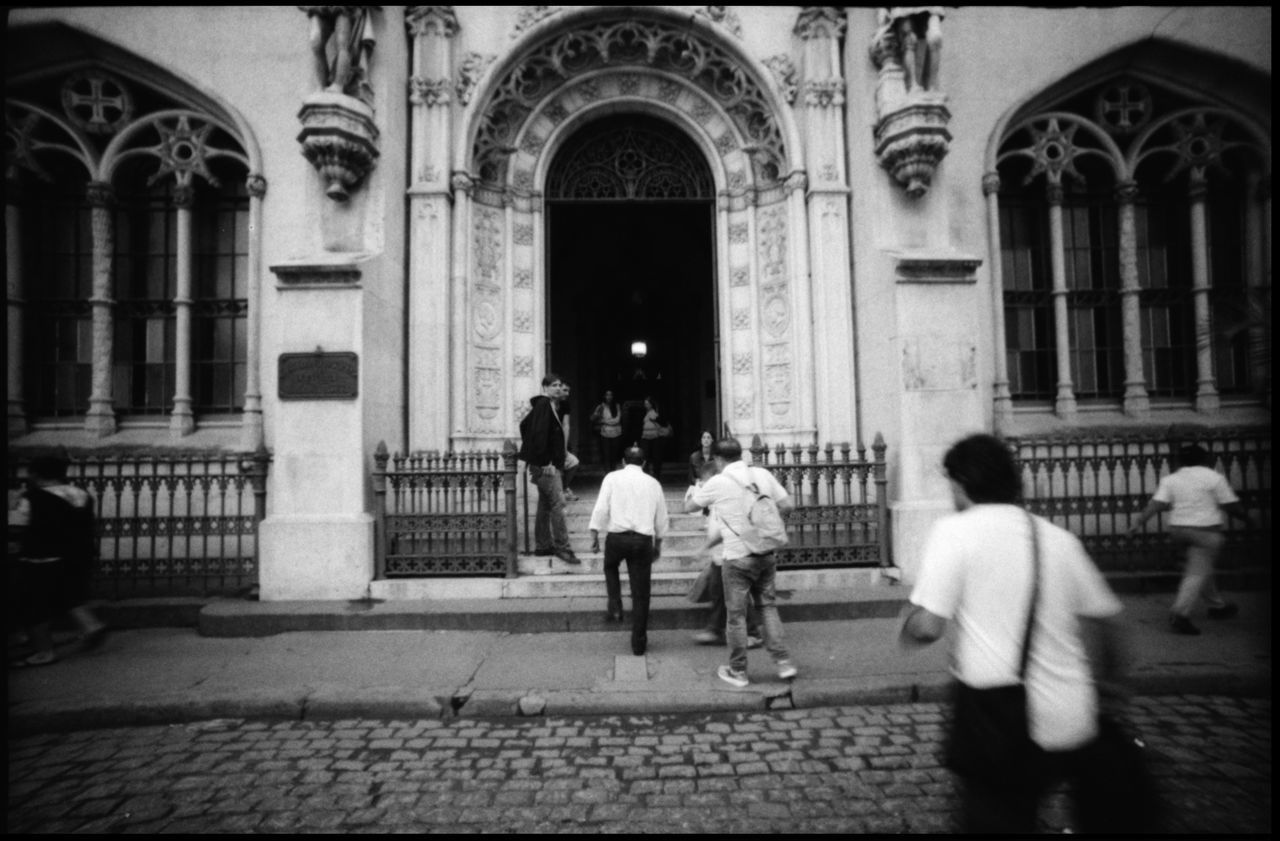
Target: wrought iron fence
x=171, y=524
x=1095, y=483
x=445, y=513
x=841, y=516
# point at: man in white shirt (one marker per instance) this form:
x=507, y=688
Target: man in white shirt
x=633, y=511
x=747, y=576
x=977, y=570
x=1196, y=496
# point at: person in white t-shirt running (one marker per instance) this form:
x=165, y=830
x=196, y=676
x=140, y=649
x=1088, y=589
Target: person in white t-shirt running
x=1196, y=496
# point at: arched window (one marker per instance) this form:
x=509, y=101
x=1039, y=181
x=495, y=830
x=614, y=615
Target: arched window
x=132, y=212
x=1131, y=247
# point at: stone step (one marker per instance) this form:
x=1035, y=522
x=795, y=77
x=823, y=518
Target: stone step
x=593, y=562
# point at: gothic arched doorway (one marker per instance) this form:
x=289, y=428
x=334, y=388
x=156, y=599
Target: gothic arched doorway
x=630, y=203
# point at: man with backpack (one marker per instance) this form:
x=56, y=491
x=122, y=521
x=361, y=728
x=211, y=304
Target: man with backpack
x=750, y=504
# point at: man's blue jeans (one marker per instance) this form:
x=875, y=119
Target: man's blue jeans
x=752, y=579
x=549, y=530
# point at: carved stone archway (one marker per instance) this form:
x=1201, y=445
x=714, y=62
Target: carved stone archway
x=563, y=73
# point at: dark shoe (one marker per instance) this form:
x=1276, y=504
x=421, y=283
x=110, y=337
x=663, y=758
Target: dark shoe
x=568, y=557
x=545, y=553
x=1227, y=611
x=639, y=643
x=1182, y=625
x=613, y=617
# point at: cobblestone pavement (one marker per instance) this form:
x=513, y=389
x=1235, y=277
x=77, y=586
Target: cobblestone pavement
x=838, y=769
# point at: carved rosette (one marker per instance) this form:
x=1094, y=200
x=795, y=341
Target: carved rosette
x=911, y=142
x=340, y=140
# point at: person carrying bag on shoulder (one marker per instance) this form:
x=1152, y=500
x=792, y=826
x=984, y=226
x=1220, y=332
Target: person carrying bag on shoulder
x=1035, y=637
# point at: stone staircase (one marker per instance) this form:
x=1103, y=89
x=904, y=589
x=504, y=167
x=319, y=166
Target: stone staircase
x=549, y=577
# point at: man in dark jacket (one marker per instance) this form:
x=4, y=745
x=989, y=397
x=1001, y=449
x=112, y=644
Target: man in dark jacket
x=542, y=448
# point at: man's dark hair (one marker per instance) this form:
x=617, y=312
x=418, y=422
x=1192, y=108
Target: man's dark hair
x=633, y=455
x=728, y=449
x=49, y=467
x=551, y=378
x=1193, y=455
x=983, y=466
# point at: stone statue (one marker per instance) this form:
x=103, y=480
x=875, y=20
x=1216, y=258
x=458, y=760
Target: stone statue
x=340, y=46
x=911, y=25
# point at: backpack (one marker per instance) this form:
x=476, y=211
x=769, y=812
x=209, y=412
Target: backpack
x=765, y=530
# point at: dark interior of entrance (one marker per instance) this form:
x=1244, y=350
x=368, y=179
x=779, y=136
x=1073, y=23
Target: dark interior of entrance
x=625, y=272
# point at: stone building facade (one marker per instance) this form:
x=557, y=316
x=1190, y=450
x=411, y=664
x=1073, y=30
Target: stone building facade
x=318, y=228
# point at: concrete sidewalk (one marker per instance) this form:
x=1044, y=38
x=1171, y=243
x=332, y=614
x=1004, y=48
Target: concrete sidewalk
x=167, y=675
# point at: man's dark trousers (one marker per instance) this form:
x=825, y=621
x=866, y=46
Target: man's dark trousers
x=637, y=550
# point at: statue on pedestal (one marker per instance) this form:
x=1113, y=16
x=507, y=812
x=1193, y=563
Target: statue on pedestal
x=340, y=46
x=911, y=25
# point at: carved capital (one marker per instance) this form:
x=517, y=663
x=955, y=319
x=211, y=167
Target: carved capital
x=99, y=194
x=469, y=73
x=340, y=140
x=1127, y=192
x=256, y=184
x=820, y=22
x=911, y=142
x=462, y=183
x=184, y=196
x=429, y=91
x=784, y=73
x=827, y=93
x=431, y=20
x=1197, y=185
x=990, y=183
x=1054, y=193
x=722, y=15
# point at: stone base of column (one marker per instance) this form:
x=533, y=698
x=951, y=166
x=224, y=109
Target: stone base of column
x=1136, y=402
x=1207, y=401
x=1065, y=406
x=181, y=422
x=100, y=420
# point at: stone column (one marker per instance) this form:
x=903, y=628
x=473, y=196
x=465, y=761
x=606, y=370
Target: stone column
x=252, y=433
x=431, y=98
x=101, y=418
x=456, y=302
x=1065, y=403
x=16, y=303
x=181, y=420
x=1002, y=400
x=1206, y=389
x=1136, y=402
x=822, y=105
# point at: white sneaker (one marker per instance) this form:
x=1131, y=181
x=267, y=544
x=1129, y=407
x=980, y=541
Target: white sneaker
x=754, y=642
x=708, y=638
x=787, y=669
x=729, y=676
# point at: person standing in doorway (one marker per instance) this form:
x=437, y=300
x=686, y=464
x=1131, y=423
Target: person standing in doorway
x=632, y=510
x=747, y=576
x=1015, y=583
x=653, y=437
x=1196, y=496
x=542, y=448
x=606, y=420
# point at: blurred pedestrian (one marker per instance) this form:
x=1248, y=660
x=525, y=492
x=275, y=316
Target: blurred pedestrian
x=632, y=510
x=542, y=449
x=717, y=618
x=1196, y=496
x=606, y=421
x=653, y=437
x=701, y=457
x=52, y=528
x=1033, y=624
x=750, y=570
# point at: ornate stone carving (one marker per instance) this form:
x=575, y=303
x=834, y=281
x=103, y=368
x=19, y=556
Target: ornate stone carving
x=431, y=20
x=184, y=196
x=911, y=142
x=522, y=235
x=741, y=276
x=628, y=160
x=429, y=91
x=256, y=184
x=340, y=140
x=820, y=22
x=1123, y=107
x=990, y=183
x=629, y=84
x=738, y=232
x=742, y=363
x=742, y=319
x=341, y=39
x=631, y=42
x=530, y=16
x=772, y=248
x=99, y=194
x=784, y=73
x=775, y=315
x=522, y=366
x=722, y=15
x=825, y=93
x=523, y=321
x=523, y=279
x=469, y=72
x=97, y=102
x=743, y=407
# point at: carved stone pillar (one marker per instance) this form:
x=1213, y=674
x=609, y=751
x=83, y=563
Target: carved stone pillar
x=822, y=100
x=1206, y=387
x=252, y=431
x=431, y=98
x=463, y=186
x=101, y=417
x=14, y=295
x=1001, y=398
x=181, y=420
x=1136, y=402
x=1065, y=402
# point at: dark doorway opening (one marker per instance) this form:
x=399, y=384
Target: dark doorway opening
x=635, y=271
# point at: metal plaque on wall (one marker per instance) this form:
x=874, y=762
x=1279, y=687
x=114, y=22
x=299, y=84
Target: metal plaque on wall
x=319, y=376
